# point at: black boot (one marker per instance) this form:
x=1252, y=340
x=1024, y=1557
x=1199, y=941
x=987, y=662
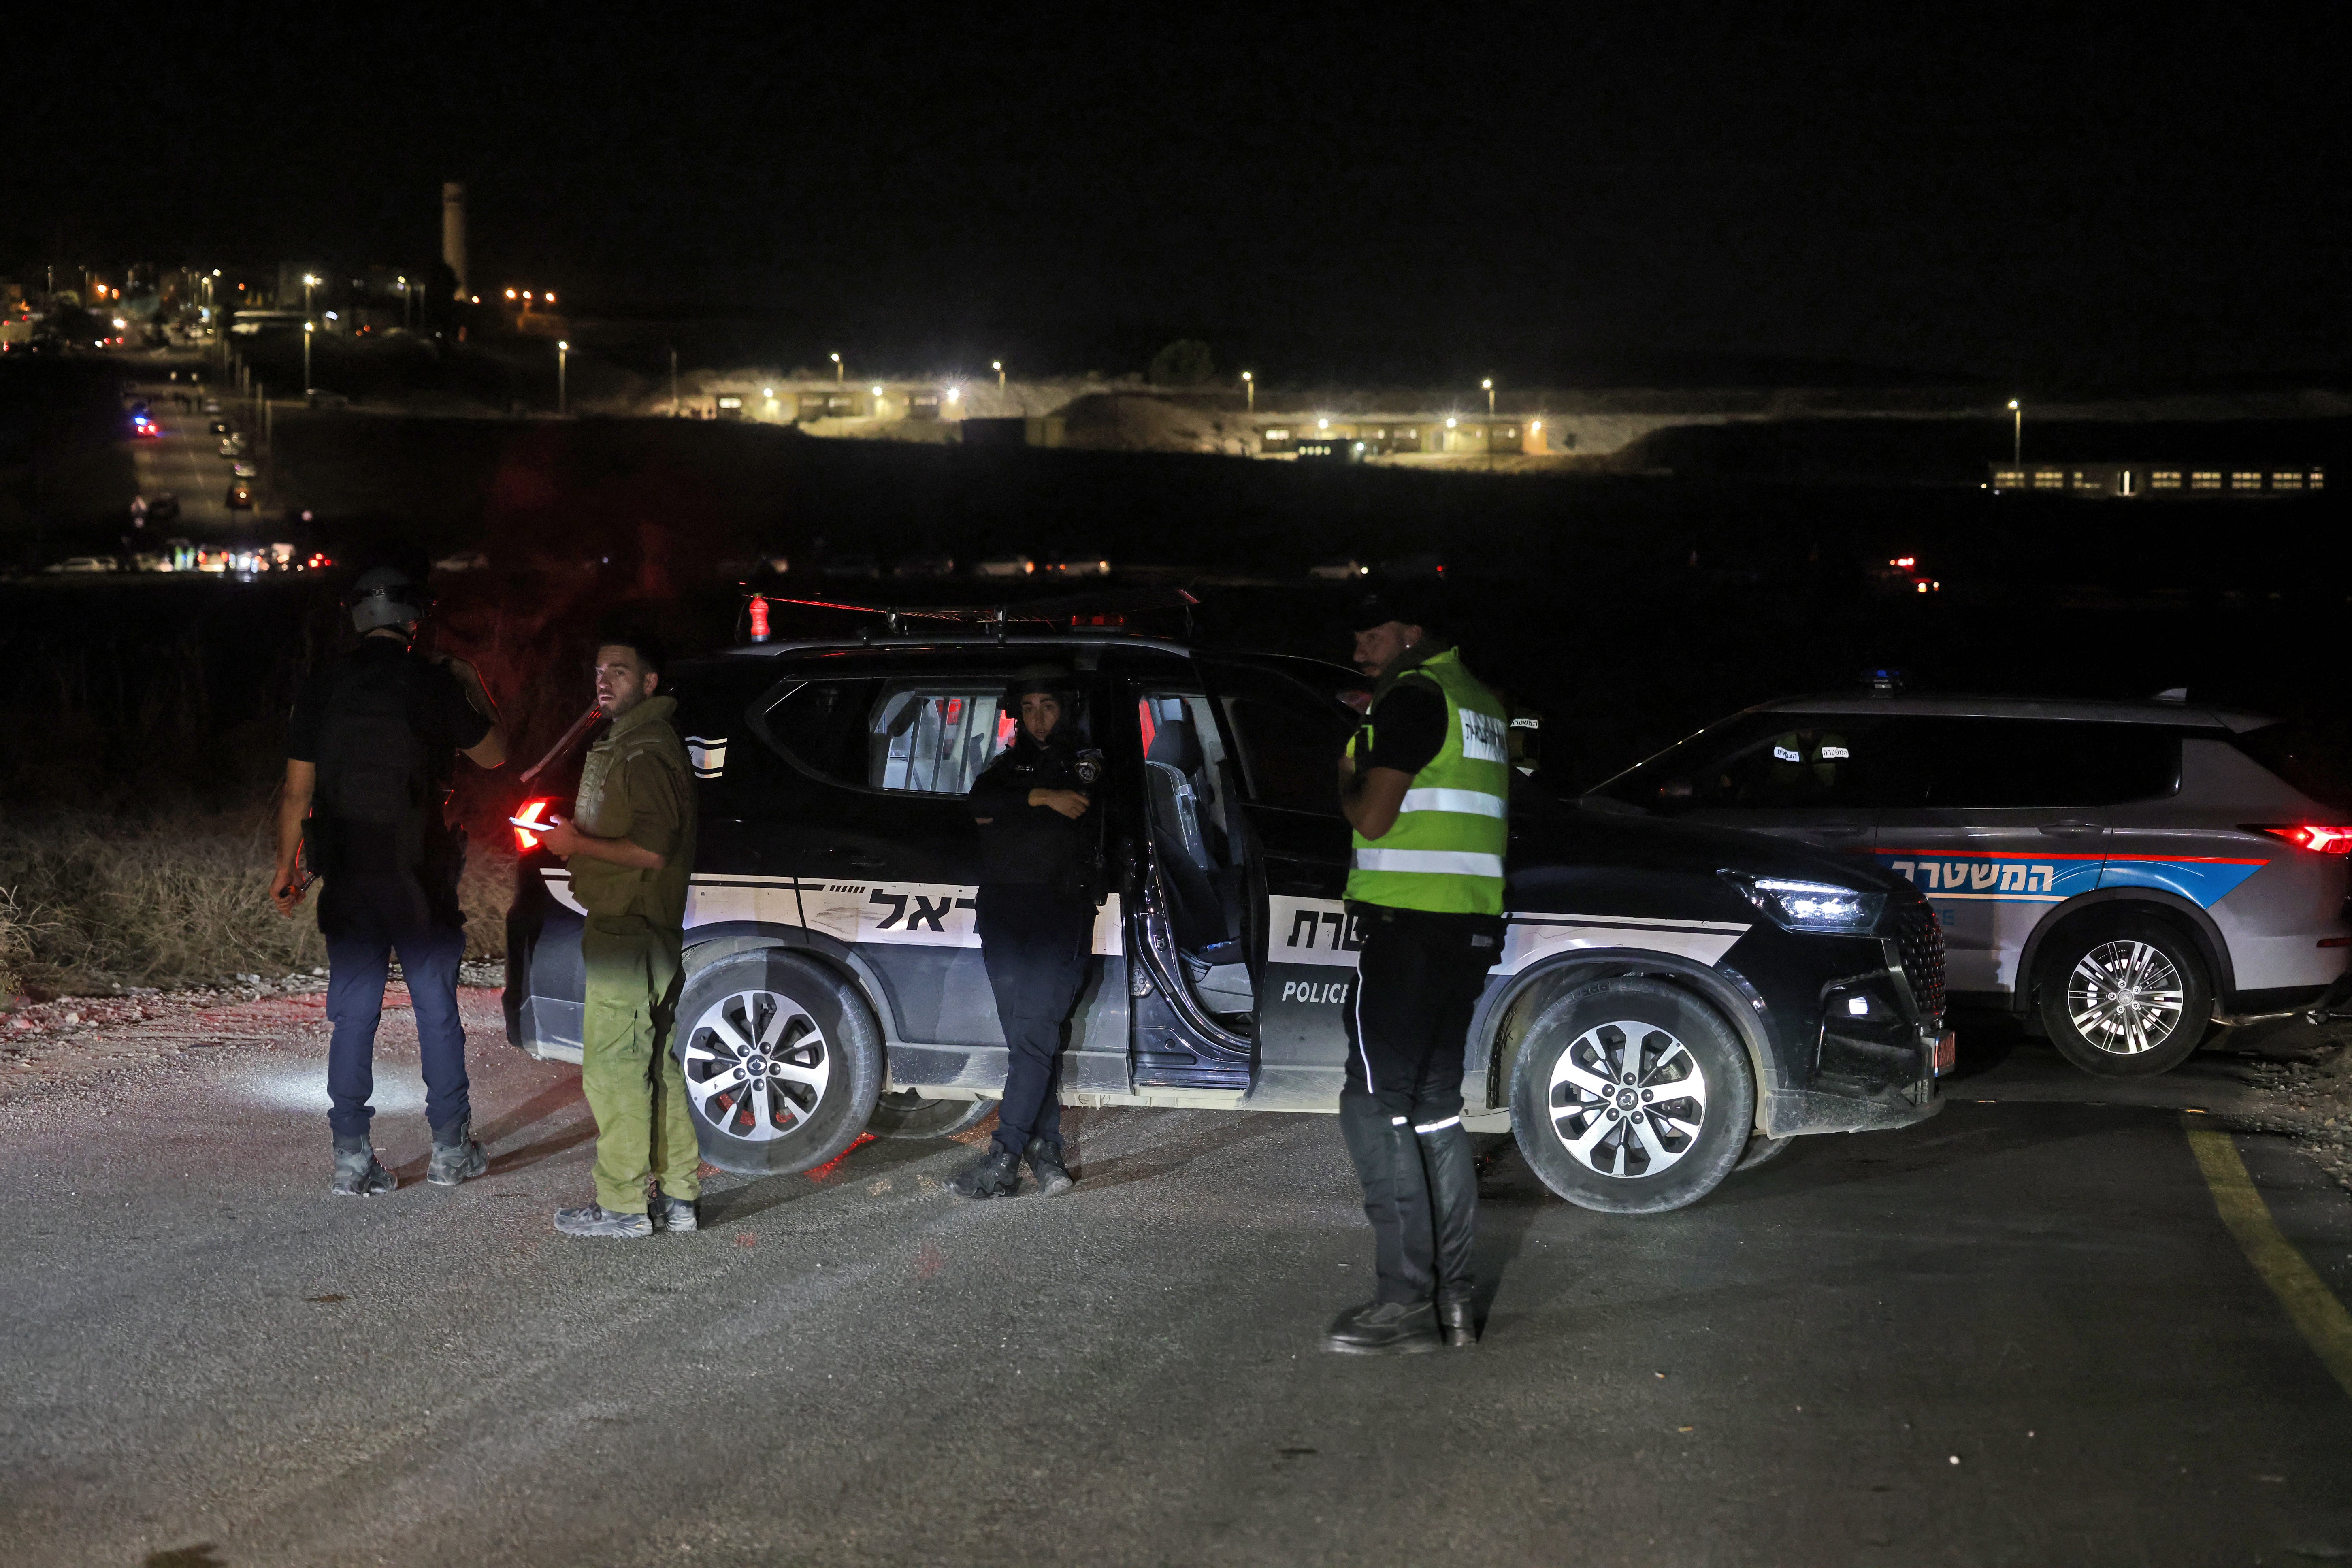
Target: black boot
x=1384, y=1328
x=1453, y=1176
x=1045, y=1162
x=1458, y=1316
x=995, y=1174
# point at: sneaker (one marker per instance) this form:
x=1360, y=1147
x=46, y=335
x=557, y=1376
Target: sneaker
x=596, y=1220
x=459, y=1160
x=995, y=1174
x=1045, y=1162
x=1384, y=1328
x=676, y=1214
x=360, y=1174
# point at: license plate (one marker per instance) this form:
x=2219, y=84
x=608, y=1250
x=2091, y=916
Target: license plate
x=1947, y=1053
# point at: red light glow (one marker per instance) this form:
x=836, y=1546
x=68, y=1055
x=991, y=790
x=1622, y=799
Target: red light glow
x=759, y=618
x=2318, y=840
x=532, y=811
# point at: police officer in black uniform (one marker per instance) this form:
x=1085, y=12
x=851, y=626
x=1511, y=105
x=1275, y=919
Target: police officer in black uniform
x=1038, y=892
x=370, y=753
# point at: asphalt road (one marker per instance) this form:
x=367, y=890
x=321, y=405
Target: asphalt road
x=2018, y=1333
x=185, y=460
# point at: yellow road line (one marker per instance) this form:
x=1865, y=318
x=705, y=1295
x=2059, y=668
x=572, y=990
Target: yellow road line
x=2314, y=1308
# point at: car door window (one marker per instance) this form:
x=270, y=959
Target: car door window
x=1970, y=763
x=1290, y=739
x=1767, y=762
x=921, y=737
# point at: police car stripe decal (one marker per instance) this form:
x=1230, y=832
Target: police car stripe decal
x=2008, y=877
x=866, y=914
x=1318, y=933
x=1462, y=802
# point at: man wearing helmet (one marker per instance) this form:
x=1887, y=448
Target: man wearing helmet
x=370, y=753
x=1037, y=920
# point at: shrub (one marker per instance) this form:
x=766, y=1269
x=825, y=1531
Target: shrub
x=85, y=901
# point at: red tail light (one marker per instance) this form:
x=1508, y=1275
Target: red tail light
x=532, y=811
x=759, y=618
x=2319, y=840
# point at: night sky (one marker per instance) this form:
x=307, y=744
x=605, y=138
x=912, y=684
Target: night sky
x=1563, y=194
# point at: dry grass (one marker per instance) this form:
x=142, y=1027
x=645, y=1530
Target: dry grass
x=89, y=902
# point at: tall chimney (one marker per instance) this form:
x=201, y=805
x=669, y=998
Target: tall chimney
x=452, y=231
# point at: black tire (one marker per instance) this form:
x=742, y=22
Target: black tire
x=904, y=1113
x=820, y=1061
x=2097, y=1025
x=1667, y=1161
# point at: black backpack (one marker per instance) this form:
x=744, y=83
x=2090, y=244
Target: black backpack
x=375, y=801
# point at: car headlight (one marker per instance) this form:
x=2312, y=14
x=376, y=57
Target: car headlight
x=1809, y=906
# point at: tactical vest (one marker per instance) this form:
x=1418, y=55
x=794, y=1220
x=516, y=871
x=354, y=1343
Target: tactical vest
x=376, y=806
x=601, y=809
x=1444, y=853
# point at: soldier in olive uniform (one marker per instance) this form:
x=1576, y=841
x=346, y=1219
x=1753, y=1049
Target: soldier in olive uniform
x=630, y=847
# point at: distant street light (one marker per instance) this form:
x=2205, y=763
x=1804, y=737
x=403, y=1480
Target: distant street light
x=838, y=370
x=562, y=352
x=998, y=366
x=308, y=283
x=308, y=327
x=1249, y=389
x=1489, y=384
x=2017, y=441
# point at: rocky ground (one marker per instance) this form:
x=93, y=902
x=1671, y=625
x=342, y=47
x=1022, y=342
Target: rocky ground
x=72, y=1039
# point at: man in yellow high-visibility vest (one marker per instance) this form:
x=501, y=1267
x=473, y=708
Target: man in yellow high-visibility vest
x=1425, y=785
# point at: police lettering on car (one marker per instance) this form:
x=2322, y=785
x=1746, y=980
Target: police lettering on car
x=370, y=753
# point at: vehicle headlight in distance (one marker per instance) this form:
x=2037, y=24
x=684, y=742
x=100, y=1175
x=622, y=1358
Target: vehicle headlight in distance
x=1810, y=906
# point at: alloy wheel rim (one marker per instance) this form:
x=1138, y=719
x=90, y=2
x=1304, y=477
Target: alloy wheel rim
x=756, y=1066
x=1627, y=1099
x=2125, y=997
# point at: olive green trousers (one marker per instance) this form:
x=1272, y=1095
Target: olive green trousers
x=635, y=1088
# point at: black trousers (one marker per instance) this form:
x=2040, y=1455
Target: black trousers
x=1037, y=945
x=1418, y=981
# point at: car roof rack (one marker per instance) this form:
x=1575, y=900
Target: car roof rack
x=1061, y=612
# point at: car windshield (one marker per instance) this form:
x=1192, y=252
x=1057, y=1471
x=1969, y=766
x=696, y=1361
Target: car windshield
x=2314, y=757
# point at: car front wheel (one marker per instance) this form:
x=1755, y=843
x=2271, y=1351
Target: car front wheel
x=782, y=1061
x=2124, y=998
x=1632, y=1097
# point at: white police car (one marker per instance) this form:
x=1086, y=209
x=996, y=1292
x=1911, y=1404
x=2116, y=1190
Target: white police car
x=2119, y=872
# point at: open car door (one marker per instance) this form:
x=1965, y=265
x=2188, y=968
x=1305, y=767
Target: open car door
x=1287, y=727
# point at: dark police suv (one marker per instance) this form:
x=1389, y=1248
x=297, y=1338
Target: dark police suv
x=1670, y=999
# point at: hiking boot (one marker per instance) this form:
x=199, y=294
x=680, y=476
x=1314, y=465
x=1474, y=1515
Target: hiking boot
x=360, y=1174
x=676, y=1214
x=456, y=1156
x=1045, y=1162
x=995, y=1174
x=595, y=1220
x=1384, y=1328
x=1458, y=1318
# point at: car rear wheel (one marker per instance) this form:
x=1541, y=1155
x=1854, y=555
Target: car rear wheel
x=905, y=1113
x=2127, y=997
x=782, y=1061
x=1632, y=1097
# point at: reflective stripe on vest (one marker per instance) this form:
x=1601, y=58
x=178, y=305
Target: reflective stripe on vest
x=1446, y=851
